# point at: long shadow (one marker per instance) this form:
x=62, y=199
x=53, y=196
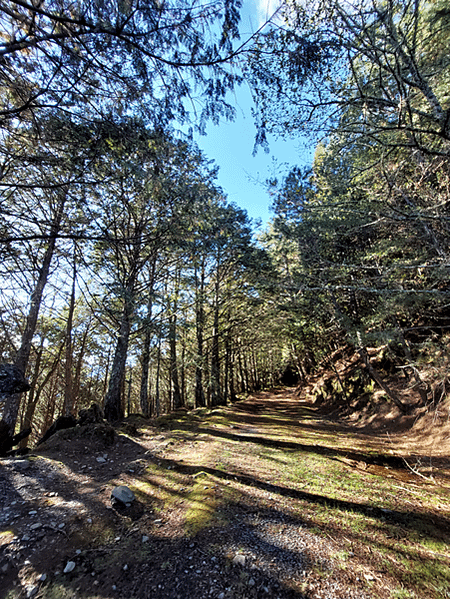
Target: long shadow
x=154, y=569
x=321, y=422
x=283, y=413
x=376, y=460
x=406, y=519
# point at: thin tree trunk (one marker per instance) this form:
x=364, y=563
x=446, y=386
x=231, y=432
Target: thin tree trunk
x=36, y=391
x=216, y=398
x=183, y=374
x=241, y=372
x=376, y=377
x=175, y=383
x=68, y=380
x=200, y=400
x=11, y=409
x=79, y=364
x=158, y=376
x=129, y=393
x=145, y=360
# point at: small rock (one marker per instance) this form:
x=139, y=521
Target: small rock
x=125, y=568
x=122, y=494
x=101, y=460
x=36, y=526
x=31, y=591
x=239, y=560
x=145, y=539
x=70, y=566
x=42, y=577
x=251, y=582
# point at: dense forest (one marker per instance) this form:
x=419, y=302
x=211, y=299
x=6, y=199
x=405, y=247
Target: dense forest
x=130, y=280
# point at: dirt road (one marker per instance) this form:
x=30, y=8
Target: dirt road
x=262, y=499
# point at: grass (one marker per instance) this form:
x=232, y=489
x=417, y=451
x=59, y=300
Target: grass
x=388, y=528
x=386, y=522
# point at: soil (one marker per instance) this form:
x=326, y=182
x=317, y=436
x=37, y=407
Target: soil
x=208, y=521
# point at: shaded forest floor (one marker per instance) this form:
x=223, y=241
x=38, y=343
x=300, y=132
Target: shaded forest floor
x=270, y=497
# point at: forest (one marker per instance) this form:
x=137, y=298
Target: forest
x=129, y=279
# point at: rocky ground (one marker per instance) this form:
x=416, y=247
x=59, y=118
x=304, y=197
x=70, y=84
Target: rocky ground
x=207, y=521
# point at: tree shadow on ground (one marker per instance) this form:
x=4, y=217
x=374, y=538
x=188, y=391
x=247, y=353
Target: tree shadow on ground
x=332, y=452
x=439, y=526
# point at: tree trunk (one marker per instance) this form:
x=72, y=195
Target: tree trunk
x=36, y=391
x=129, y=393
x=176, y=394
x=113, y=399
x=175, y=383
x=200, y=400
x=11, y=409
x=216, y=398
x=158, y=376
x=68, y=379
x=79, y=365
x=145, y=359
x=376, y=377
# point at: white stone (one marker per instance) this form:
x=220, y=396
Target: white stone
x=32, y=591
x=239, y=560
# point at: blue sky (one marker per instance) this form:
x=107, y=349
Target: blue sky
x=230, y=144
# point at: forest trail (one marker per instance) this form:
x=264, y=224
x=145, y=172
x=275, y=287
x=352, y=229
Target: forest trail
x=265, y=498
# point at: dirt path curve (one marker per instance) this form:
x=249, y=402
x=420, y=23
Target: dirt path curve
x=262, y=499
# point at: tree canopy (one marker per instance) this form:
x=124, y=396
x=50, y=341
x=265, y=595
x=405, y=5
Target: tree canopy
x=129, y=277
